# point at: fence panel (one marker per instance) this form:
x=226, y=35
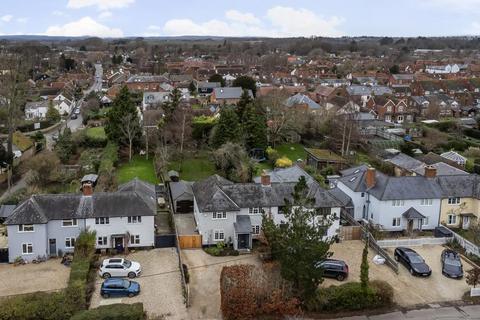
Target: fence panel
x=190, y=242
x=469, y=246
x=351, y=232
x=411, y=242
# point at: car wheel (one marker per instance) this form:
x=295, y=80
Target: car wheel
x=106, y=275
x=131, y=275
x=130, y=295
x=396, y=258
x=106, y=295
x=412, y=272
x=340, y=277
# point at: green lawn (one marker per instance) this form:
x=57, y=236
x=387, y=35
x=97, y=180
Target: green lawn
x=195, y=168
x=139, y=167
x=96, y=133
x=293, y=151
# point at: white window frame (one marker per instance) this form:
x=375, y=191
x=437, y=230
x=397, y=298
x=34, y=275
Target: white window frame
x=255, y=210
x=396, y=222
x=426, y=202
x=134, y=219
x=134, y=239
x=453, y=201
x=400, y=118
x=425, y=222
x=217, y=233
x=71, y=244
x=102, y=220
x=25, y=246
x=21, y=228
x=70, y=223
x=102, y=241
x=398, y=203
x=220, y=215
x=256, y=229
x=451, y=219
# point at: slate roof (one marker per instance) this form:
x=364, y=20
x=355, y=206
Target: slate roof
x=230, y=93
x=443, y=169
x=404, y=161
x=132, y=198
x=291, y=174
x=6, y=210
x=299, y=99
x=243, y=225
x=180, y=188
x=412, y=213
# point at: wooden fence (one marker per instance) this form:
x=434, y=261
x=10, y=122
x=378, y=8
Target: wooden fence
x=351, y=232
x=190, y=242
x=469, y=246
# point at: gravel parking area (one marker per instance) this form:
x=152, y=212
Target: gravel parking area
x=408, y=290
x=161, y=291
x=204, y=284
x=47, y=276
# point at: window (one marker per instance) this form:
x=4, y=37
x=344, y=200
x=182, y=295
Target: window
x=102, y=241
x=400, y=118
x=102, y=220
x=27, y=248
x=396, y=222
x=135, y=239
x=256, y=229
x=425, y=222
x=426, y=202
x=25, y=228
x=254, y=210
x=69, y=242
x=352, y=179
x=454, y=200
x=398, y=203
x=219, y=215
x=452, y=219
x=362, y=194
x=69, y=223
x=219, y=235
x=325, y=211
x=135, y=219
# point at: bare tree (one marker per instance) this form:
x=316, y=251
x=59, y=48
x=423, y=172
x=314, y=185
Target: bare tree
x=130, y=129
x=281, y=118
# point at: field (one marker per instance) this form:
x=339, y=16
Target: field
x=140, y=168
x=194, y=168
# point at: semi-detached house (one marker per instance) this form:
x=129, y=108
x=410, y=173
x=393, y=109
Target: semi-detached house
x=232, y=212
x=47, y=225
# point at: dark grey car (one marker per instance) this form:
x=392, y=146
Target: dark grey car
x=451, y=264
x=412, y=261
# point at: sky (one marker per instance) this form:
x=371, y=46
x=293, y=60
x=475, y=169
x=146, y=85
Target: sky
x=270, y=18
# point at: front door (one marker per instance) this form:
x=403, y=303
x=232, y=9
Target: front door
x=466, y=222
x=118, y=243
x=410, y=226
x=53, y=247
x=243, y=241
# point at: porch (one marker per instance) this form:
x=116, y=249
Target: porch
x=242, y=239
x=415, y=220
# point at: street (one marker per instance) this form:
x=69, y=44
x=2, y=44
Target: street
x=75, y=124
x=434, y=313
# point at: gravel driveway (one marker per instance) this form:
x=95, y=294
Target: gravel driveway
x=408, y=290
x=47, y=276
x=204, y=271
x=161, y=291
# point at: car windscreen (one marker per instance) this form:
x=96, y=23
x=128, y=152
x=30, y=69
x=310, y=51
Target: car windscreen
x=415, y=259
x=127, y=263
x=453, y=263
x=126, y=284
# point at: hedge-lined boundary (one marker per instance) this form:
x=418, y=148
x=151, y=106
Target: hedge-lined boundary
x=114, y=311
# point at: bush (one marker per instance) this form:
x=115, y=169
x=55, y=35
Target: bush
x=351, y=296
x=283, y=162
x=272, y=154
x=474, y=133
x=109, y=158
x=114, y=311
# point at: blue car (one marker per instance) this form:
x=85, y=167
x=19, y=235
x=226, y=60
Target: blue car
x=119, y=288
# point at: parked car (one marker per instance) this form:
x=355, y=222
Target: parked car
x=77, y=111
x=332, y=268
x=412, y=261
x=451, y=264
x=74, y=116
x=119, y=288
x=118, y=267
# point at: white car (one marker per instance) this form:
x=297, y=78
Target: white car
x=118, y=267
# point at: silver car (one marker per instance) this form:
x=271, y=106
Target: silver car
x=119, y=267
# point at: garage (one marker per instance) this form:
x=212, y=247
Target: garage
x=182, y=196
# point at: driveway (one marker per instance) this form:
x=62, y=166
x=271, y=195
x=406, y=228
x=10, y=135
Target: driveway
x=47, y=276
x=408, y=290
x=161, y=291
x=204, y=284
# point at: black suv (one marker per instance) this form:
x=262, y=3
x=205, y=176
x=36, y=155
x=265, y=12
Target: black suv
x=451, y=264
x=332, y=268
x=413, y=261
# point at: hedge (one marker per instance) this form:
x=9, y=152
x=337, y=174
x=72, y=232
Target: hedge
x=109, y=158
x=114, y=311
x=351, y=296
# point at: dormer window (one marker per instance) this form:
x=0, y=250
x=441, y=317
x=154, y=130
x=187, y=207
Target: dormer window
x=26, y=228
x=69, y=223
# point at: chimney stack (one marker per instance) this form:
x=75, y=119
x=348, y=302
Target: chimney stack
x=430, y=172
x=265, y=179
x=87, y=189
x=370, y=178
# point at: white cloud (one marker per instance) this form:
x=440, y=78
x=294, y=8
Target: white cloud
x=278, y=22
x=105, y=15
x=84, y=27
x=22, y=20
x=6, y=18
x=58, y=13
x=246, y=18
x=100, y=4
x=154, y=27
